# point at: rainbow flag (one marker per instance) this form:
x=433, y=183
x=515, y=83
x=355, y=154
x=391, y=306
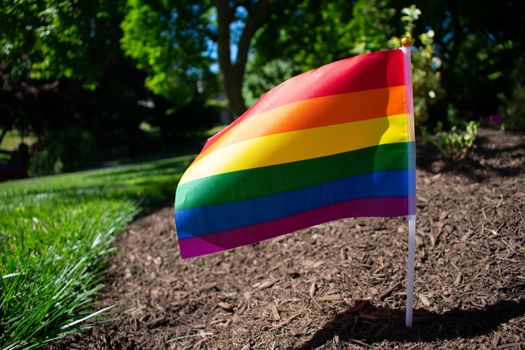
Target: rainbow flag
x=332, y=143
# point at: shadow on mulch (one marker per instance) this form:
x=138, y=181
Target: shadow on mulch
x=366, y=324
x=495, y=154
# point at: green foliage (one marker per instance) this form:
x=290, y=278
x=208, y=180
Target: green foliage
x=54, y=235
x=60, y=38
x=314, y=33
x=477, y=41
x=513, y=103
x=66, y=150
x=355, y=28
x=61, y=66
x=425, y=66
x=168, y=38
x=454, y=144
x=335, y=30
x=467, y=47
x=260, y=79
x=513, y=108
x=372, y=25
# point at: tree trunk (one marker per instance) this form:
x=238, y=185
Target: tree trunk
x=233, y=88
x=233, y=72
x=4, y=132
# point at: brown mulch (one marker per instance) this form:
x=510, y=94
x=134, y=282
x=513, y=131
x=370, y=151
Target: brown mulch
x=339, y=285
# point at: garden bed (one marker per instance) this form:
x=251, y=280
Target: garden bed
x=341, y=284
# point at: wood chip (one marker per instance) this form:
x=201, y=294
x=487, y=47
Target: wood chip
x=457, y=281
x=389, y=290
x=225, y=306
x=424, y=299
x=332, y=297
x=312, y=264
x=275, y=312
x=496, y=339
x=313, y=288
x=466, y=236
x=359, y=342
x=443, y=215
x=516, y=345
x=156, y=322
x=264, y=285
x=288, y=320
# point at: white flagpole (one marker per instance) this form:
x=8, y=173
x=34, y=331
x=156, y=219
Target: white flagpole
x=406, y=45
x=410, y=269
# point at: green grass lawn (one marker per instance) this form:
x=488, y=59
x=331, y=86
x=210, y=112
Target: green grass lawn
x=12, y=140
x=54, y=234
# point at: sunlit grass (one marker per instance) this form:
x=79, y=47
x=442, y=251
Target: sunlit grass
x=54, y=234
x=12, y=140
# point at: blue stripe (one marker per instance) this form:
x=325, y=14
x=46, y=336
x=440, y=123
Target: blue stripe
x=205, y=220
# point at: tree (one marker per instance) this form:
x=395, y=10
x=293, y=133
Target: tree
x=62, y=67
x=314, y=33
x=478, y=43
x=169, y=40
x=175, y=41
x=60, y=38
x=233, y=71
x=335, y=30
x=339, y=29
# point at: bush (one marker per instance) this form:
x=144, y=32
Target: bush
x=65, y=150
x=513, y=105
x=193, y=116
x=426, y=77
x=454, y=144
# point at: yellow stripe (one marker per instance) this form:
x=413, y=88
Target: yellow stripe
x=335, y=109
x=300, y=145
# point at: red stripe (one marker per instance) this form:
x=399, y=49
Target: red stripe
x=216, y=242
x=364, y=72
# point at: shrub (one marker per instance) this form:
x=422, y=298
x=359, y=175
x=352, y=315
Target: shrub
x=65, y=150
x=513, y=104
x=454, y=144
x=426, y=77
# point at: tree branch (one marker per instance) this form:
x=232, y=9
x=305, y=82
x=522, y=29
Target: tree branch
x=255, y=20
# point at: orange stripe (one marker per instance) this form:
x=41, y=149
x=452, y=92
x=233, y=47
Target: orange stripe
x=316, y=112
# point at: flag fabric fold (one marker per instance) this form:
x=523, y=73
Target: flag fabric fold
x=332, y=143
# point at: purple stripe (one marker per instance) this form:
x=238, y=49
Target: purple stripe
x=216, y=242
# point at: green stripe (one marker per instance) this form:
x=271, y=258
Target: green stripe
x=252, y=183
